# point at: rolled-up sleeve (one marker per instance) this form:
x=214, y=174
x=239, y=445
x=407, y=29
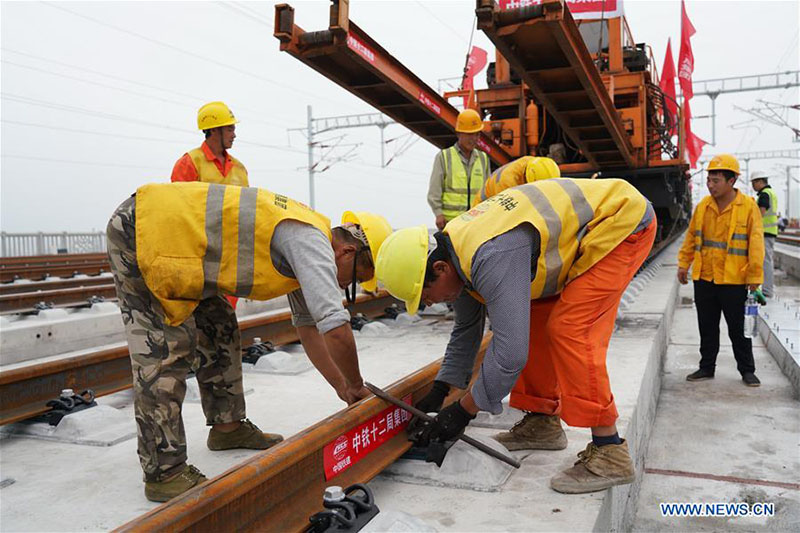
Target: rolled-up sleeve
x=465, y=341
x=501, y=274
x=309, y=253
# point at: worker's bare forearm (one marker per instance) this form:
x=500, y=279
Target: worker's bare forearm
x=317, y=351
x=342, y=348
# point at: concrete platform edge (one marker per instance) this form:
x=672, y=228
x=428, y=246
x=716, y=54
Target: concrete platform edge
x=781, y=354
x=619, y=505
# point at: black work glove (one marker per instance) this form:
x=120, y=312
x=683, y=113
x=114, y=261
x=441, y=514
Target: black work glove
x=450, y=422
x=432, y=402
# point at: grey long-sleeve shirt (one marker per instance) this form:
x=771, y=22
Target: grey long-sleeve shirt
x=303, y=252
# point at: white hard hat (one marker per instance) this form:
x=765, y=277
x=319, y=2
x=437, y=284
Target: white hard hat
x=758, y=175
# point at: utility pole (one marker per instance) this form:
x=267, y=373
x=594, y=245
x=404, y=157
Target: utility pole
x=315, y=126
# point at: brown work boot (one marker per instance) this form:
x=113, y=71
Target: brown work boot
x=534, y=432
x=597, y=468
x=247, y=435
x=162, y=491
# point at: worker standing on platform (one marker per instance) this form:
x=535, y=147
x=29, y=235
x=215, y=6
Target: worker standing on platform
x=175, y=250
x=724, y=246
x=768, y=205
x=211, y=162
x=549, y=261
x=459, y=171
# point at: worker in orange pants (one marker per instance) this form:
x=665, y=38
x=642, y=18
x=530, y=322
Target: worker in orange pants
x=566, y=373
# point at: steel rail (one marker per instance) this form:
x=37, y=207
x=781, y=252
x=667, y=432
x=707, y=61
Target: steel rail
x=278, y=489
x=788, y=239
x=55, y=259
x=26, y=389
x=41, y=272
x=25, y=301
x=66, y=283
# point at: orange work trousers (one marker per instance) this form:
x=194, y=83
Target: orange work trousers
x=569, y=335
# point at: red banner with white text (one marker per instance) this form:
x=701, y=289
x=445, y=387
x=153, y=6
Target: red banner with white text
x=580, y=9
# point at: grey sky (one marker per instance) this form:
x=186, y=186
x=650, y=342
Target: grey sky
x=98, y=98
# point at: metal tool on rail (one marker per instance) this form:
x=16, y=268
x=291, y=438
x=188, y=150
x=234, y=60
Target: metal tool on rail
x=68, y=403
x=347, y=510
x=466, y=438
x=257, y=350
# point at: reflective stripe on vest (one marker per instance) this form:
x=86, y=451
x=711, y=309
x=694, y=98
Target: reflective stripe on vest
x=579, y=221
x=457, y=191
x=208, y=172
x=196, y=240
x=770, y=218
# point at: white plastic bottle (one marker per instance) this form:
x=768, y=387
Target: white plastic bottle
x=751, y=317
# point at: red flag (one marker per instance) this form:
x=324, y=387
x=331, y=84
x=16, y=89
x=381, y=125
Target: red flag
x=667, y=83
x=475, y=63
x=694, y=144
x=685, y=56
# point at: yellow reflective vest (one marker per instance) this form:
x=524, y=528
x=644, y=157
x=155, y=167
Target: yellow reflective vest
x=509, y=175
x=770, y=217
x=458, y=189
x=208, y=172
x=195, y=240
x=579, y=222
x=726, y=248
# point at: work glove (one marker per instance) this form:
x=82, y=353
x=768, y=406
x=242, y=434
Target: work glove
x=449, y=423
x=759, y=296
x=430, y=403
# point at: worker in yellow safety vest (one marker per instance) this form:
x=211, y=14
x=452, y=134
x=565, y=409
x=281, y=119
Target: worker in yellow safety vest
x=458, y=171
x=724, y=247
x=548, y=261
x=526, y=169
x=211, y=162
x=767, y=202
x=176, y=250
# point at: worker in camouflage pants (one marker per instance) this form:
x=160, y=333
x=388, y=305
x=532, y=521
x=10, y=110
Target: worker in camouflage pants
x=207, y=343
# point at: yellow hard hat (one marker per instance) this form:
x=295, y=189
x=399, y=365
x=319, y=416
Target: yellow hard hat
x=376, y=228
x=401, y=265
x=214, y=115
x=541, y=168
x=724, y=162
x=469, y=121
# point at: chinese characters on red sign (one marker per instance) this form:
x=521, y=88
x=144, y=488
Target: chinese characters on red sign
x=483, y=146
x=580, y=9
x=349, y=448
x=428, y=102
x=360, y=48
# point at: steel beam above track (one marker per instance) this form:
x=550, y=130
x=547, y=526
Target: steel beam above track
x=543, y=44
x=345, y=54
x=25, y=389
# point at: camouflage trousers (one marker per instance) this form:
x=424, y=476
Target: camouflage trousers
x=207, y=343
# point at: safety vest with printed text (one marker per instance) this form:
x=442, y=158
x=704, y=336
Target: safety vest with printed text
x=725, y=248
x=208, y=172
x=195, y=240
x=458, y=189
x=770, y=218
x=509, y=175
x=579, y=222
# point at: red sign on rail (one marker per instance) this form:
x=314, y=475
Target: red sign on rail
x=355, y=44
x=348, y=449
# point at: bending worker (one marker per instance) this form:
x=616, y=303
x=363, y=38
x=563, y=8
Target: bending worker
x=526, y=169
x=550, y=261
x=175, y=251
x=459, y=171
x=724, y=246
x=768, y=205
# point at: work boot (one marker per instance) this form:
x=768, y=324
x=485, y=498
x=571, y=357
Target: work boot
x=597, y=468
x=162, y=491
x=751, y=380
x=534, y=432
x=247, y=435
x=700, y=375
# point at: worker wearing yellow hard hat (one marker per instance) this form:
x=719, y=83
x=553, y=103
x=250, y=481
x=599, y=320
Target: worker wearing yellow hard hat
x=724, y=249
x=176, y=250
x=459, y=171
x=211, y=162
x=526, y=169
x=548, y=261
